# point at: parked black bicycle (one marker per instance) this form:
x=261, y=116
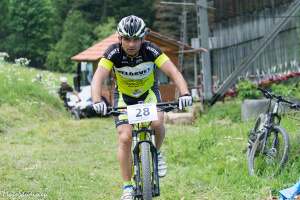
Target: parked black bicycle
x=145, y=163
x=268, y=144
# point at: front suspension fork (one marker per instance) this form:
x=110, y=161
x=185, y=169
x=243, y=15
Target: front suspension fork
x=136, y=163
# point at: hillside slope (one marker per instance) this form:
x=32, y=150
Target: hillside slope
x=44, y=154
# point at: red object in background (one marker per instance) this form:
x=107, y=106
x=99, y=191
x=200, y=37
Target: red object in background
x=291, y=75
x=265, y=82
x=297, y=73
x=282, y=77
x=230, y=93
x=276, y=79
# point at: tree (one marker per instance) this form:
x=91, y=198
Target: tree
x=105, y=29
x=3, y=22
x=121, y=8
x=29, y=29
x=76, y=37
x=61, y=9
x=93, y=11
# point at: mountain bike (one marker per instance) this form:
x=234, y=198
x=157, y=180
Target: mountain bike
x=145, y=163
x=268, y=144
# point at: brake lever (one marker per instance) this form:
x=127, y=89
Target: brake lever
x=266, y=93
x=168, y=108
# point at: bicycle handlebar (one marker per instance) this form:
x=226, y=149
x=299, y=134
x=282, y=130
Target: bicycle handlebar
x=164, y=106
x=269, y=95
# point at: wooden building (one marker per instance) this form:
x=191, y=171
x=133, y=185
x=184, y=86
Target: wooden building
x=238, y=26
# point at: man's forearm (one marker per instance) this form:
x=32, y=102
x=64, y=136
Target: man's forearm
x=96, y=90
x=98, y=79
x=180, y=83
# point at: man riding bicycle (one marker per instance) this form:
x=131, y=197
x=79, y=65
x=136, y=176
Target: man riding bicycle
x=135, y=62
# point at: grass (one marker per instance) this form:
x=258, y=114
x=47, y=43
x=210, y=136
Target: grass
x=47, y=155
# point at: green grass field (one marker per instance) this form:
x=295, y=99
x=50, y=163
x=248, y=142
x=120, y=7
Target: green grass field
x=44, y=154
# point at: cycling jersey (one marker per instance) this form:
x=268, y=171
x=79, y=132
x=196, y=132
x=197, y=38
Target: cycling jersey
x=134, y=75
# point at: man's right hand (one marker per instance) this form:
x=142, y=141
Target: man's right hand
x=100, y=107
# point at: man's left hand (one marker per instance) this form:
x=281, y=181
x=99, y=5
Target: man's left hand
x=185, y=101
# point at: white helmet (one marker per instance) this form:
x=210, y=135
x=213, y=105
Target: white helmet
x=63, y=79
x=132, y=27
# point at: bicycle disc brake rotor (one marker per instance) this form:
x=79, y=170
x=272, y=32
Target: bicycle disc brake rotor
x=271, y=155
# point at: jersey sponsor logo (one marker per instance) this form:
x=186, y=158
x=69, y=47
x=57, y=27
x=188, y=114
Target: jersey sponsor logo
x=137, y=72
x=114, y=51
x=124, y=62
x=153, y=50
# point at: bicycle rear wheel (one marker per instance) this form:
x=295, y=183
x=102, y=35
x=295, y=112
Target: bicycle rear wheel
x=146, y=171
x=270, y=159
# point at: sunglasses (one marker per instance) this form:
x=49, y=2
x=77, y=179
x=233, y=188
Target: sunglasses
x=131, y=38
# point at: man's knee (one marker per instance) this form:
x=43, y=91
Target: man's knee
x=160, y=122
x=124, y=133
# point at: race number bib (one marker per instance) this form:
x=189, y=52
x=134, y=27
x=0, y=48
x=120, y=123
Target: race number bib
x=141, y=113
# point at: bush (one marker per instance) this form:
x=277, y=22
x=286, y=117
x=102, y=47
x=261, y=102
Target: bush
x=283, y=90
x=247, y=90
x=229, y=110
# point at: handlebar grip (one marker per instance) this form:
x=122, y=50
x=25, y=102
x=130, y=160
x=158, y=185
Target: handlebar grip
x=295, y=106
x=266, y=93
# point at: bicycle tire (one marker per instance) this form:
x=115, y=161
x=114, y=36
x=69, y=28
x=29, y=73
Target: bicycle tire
x=255, y=132
x=260, y=119
x=256, y=165
x=146, y=171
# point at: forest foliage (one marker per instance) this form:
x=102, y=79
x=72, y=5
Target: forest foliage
x=50, y=32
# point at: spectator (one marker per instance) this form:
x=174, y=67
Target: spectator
x=64, y=89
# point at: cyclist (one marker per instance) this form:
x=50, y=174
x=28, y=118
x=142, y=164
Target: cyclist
x=134, y=62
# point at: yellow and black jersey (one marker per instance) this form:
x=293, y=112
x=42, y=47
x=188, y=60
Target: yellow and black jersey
x=134, y=75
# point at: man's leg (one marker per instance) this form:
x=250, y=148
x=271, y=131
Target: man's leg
x=159, y=129
x=124, y=151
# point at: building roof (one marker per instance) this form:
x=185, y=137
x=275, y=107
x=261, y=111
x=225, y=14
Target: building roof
x=95, y=52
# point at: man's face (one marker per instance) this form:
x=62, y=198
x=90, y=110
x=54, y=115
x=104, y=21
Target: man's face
x=131, y=46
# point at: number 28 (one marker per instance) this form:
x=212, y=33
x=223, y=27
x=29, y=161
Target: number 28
x=142, y=112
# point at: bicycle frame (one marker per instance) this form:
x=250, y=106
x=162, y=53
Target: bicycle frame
x=273, y=119
x=141, y=133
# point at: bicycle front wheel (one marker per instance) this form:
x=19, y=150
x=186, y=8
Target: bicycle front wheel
x=146, y=171
x=269, y=158
x=253, y=134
